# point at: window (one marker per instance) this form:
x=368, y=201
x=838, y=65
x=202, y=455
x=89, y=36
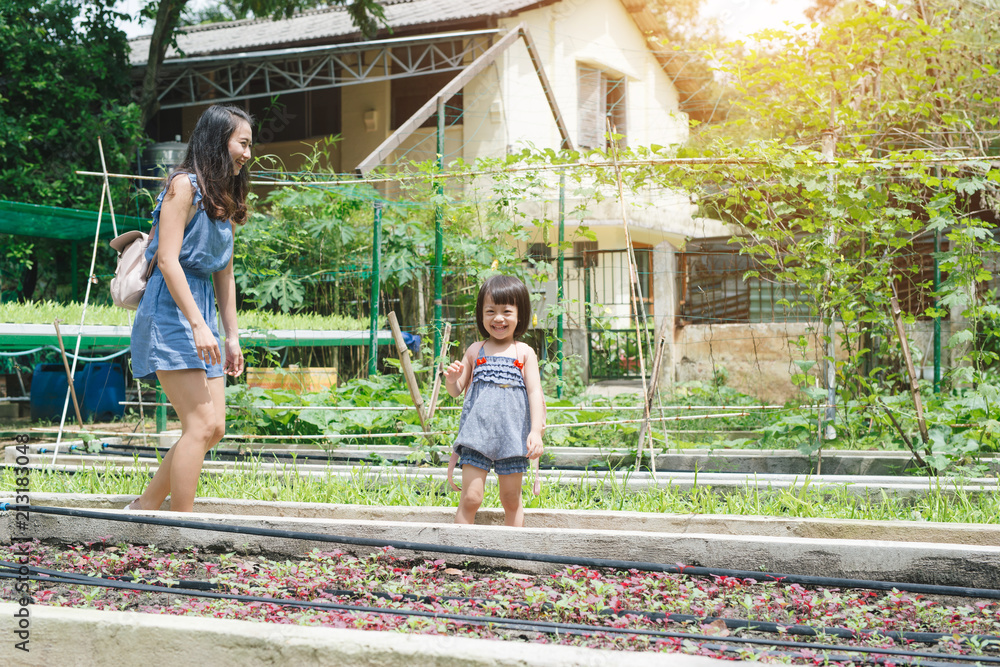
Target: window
x=601, y=98
x=411, y=93
x=585, y=253
x=539, y=252
x=296, y=116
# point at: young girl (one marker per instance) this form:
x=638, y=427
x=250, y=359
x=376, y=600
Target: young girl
x=504, y=411
x=175, y=338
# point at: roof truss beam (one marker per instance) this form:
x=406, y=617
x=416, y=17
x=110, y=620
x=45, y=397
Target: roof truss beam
x=189, y=82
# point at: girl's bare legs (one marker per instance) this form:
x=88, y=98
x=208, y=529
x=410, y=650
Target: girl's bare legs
x=473, y=483
x=200, y=404
x=510, y=498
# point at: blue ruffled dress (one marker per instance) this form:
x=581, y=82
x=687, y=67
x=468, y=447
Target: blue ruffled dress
x=161, y=336
x=496, y=415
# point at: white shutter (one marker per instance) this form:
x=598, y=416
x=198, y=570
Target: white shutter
x=616, y=105
x=590, y=107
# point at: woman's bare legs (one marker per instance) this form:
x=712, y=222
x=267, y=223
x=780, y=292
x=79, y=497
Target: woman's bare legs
x=510, y=498
x=200, y=404
x=473, y=484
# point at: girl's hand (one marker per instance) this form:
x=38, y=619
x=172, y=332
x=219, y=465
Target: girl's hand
x=535, y=447
x=207, y=346
x=234, y=357
x=451, y=470
x=454, y=371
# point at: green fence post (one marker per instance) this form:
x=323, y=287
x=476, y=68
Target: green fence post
x=376, y=279
x=161, y=409
x=439, y=235
x=560, y=294
x=937, y=318
x=74, y=269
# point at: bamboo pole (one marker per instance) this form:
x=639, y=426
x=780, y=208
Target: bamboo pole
x=69, y=375
x=439, y=370
x=653, y=386
x=910, y=370
x=352, y=180
x=637, y=304
x=404, y=360
x=396, y=434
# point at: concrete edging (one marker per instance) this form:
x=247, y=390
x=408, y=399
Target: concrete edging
x=70, y=637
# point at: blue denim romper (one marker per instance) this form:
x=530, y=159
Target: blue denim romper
x=496, y=417
x=161, y=336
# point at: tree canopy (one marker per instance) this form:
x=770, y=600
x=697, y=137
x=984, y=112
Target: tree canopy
x=63, y=83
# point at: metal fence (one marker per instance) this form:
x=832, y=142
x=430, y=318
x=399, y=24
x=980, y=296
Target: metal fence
x=612, y=341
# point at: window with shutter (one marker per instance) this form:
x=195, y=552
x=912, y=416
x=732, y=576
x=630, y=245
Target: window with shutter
x=616, y=89
x=600, y=99
x=585, y=253
x=590, y=107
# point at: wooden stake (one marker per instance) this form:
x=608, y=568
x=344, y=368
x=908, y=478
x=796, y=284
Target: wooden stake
x=69, y=376
x=653, y=387
x=636, y=294
x=910, y=370
x=439, y=370
x=411, y=379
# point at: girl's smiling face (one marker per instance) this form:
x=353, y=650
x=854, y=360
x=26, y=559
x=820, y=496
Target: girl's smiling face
x=500, y=320
x=239, y=145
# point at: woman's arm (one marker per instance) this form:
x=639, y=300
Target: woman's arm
x=175, y=213
x=225, y=295
x=536, y=402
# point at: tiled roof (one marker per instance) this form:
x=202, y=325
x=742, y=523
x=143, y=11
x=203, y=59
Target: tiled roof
x=325, y=24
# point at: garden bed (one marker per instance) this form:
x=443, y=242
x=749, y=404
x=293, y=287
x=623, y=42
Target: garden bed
x=620, y=610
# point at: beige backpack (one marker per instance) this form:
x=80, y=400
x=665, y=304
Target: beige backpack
x=132, y=272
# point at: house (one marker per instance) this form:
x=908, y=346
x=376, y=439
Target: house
x=505, y=74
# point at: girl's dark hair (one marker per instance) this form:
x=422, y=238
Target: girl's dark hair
x=505, y=291
x=224, y=195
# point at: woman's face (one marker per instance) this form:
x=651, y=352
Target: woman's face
x=239, y=145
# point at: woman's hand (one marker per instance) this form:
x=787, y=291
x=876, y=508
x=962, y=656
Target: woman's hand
x=207, y=346
x=535, y=447
x=234, y=357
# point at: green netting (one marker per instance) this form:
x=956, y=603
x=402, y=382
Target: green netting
x=61, y=223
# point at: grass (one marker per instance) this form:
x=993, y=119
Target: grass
x=250, y=482
x=44, y=312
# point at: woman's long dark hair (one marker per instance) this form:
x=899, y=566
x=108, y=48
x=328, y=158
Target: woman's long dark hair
x=224, y=195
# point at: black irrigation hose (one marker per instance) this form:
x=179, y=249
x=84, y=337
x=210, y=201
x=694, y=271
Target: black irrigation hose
x=830, y=582
x=682, y=619
x=183, y=583
x=547, y=627
x=237, y=455
x=687, y=619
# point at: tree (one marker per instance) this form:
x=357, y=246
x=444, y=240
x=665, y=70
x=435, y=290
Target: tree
x=167, y=18
x=63, y=83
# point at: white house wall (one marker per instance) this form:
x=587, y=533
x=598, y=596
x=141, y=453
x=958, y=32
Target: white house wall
x=597, y=33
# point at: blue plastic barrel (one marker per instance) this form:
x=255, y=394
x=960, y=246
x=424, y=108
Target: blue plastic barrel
x=100, y=386
x=48, y=389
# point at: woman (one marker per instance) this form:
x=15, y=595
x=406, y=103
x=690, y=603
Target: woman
x=175, y=338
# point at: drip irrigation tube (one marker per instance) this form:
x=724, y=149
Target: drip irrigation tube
x=236, y=455
x=547, y=627
x=831, y=582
